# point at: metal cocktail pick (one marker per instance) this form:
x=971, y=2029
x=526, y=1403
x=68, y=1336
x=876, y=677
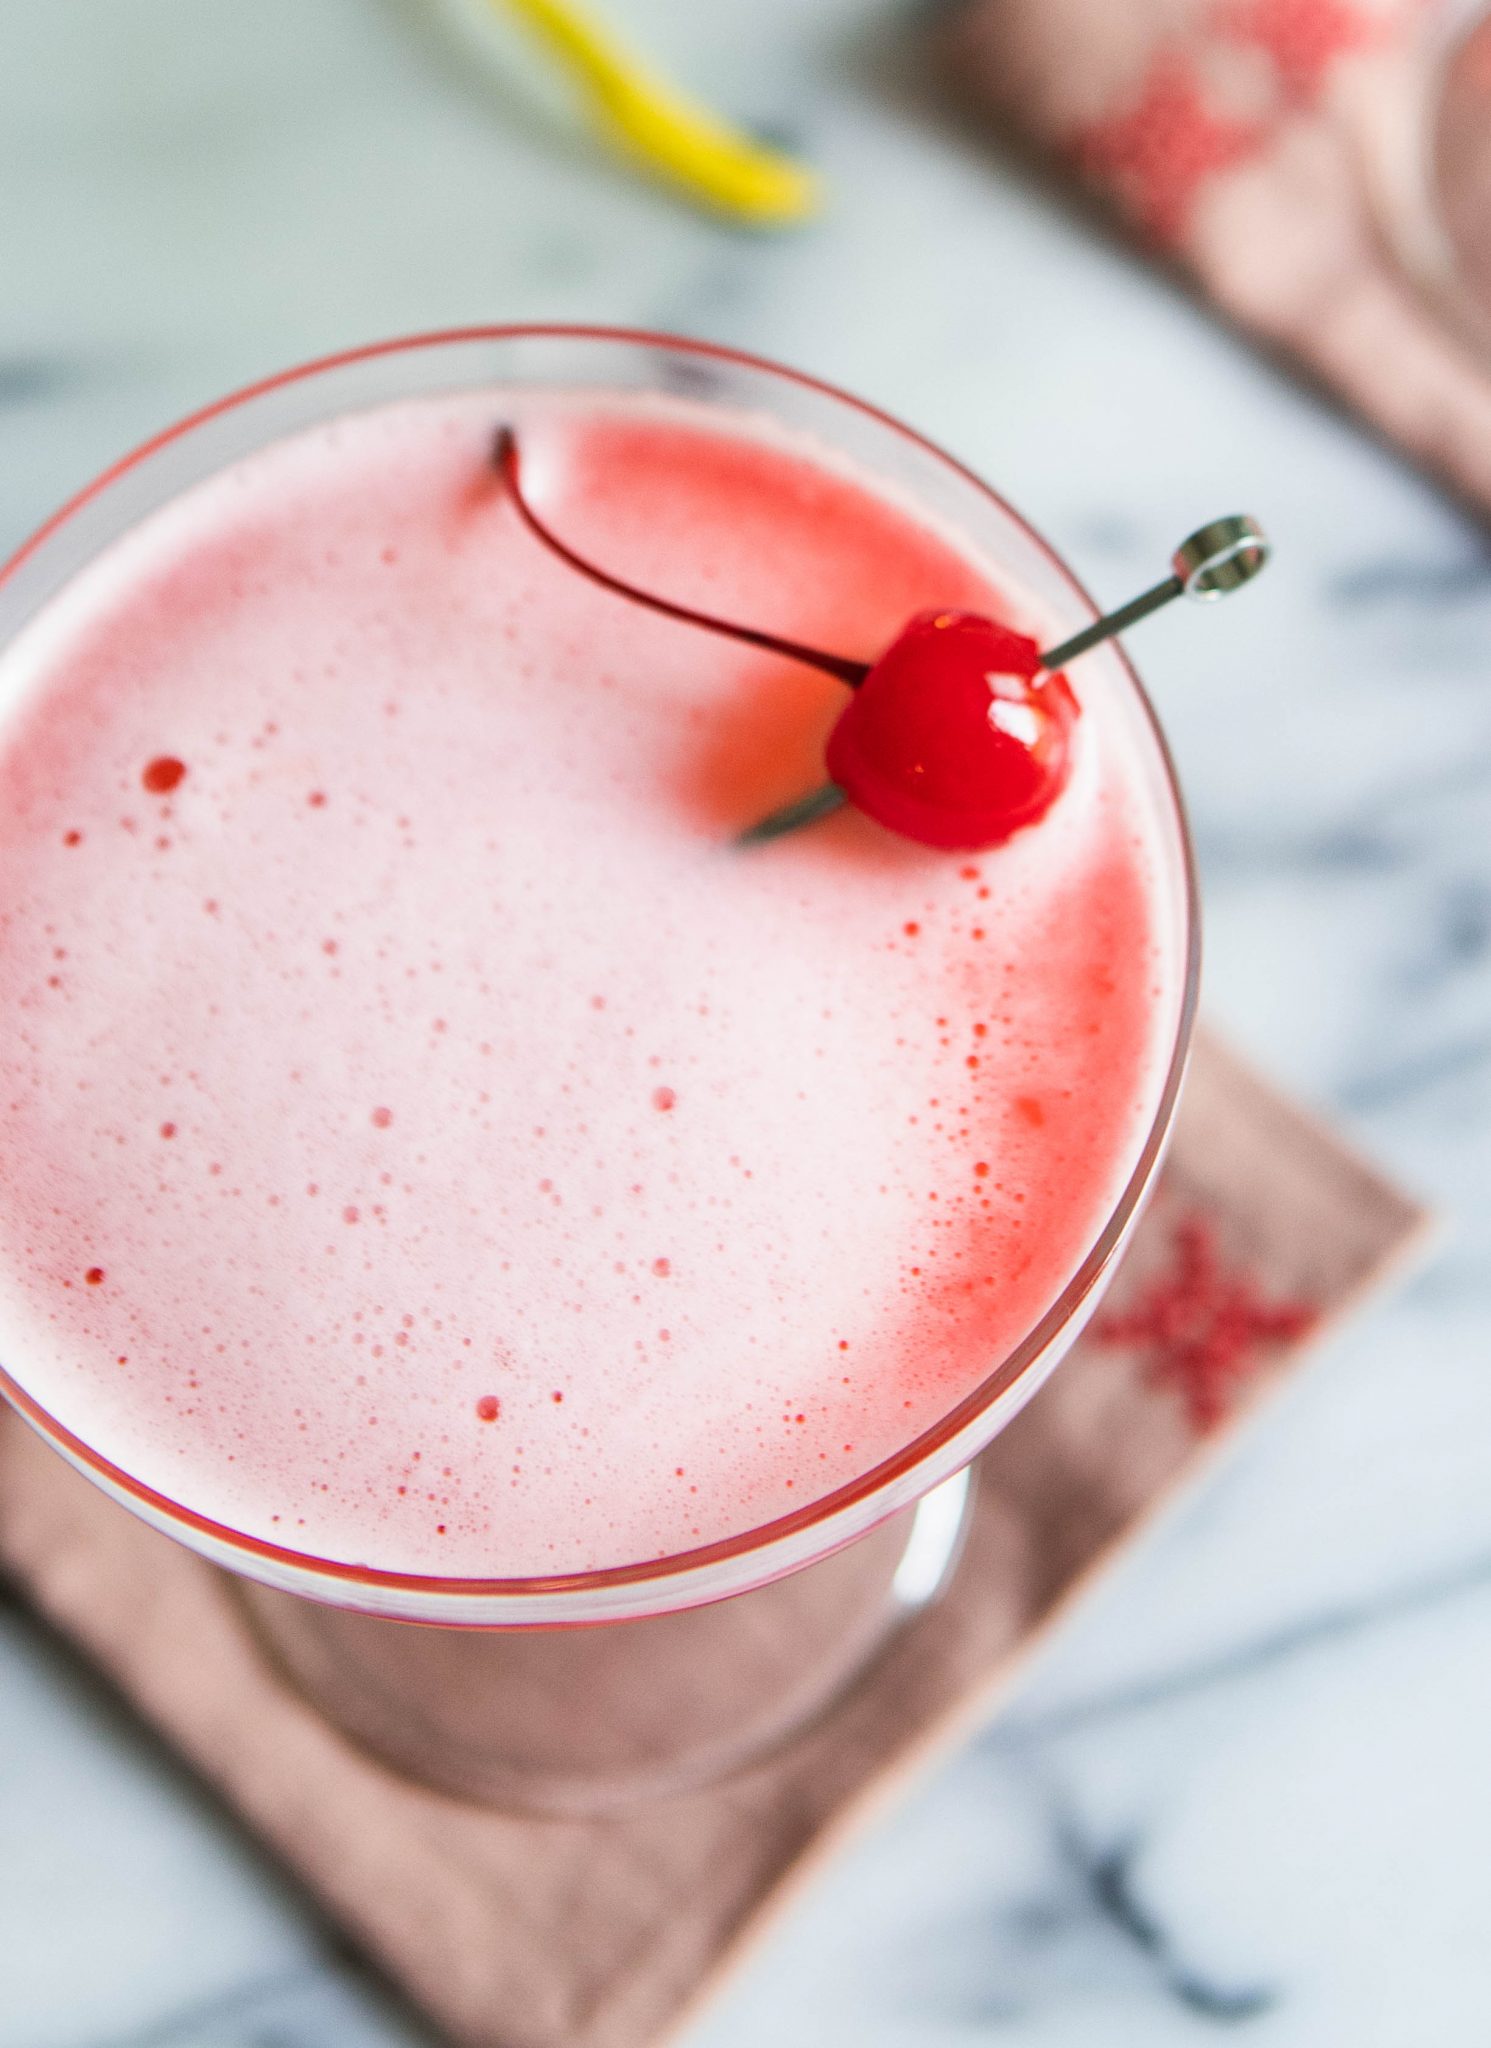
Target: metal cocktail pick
x=1215, y=560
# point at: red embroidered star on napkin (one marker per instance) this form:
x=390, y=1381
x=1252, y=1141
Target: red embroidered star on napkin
x=1158, y=153
x=1302, y=38
x=1204, y=1327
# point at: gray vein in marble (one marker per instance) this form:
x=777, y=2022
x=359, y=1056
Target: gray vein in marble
x=1109, y=1877
x=1352, y=849
x=1429, y=581
x=1458, y=937
x=1309, y=1635
x=27, y=380
x=1390, y=1085
x=1084, y=1908
x=245, y=2007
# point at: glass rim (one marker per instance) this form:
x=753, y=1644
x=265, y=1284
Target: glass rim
x=996, y=1384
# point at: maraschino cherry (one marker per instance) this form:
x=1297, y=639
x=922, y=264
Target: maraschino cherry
x=961, y=733
x=956, y=738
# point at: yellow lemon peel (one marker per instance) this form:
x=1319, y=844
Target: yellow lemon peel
x=674, y=136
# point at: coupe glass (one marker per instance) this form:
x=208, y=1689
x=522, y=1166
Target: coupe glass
x=580, y=1690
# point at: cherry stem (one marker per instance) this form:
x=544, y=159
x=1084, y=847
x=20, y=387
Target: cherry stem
x=505, y=455
x=803, y=810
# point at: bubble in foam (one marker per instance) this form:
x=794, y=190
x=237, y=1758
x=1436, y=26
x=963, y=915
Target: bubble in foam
x=162, y=775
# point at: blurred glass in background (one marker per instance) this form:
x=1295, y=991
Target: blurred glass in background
x=1457, y=153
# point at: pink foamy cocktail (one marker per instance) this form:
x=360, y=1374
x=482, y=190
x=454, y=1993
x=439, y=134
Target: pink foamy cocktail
x=444, y=1173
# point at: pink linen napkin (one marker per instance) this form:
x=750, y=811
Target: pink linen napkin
x=516, y=1932
x=1279, y=152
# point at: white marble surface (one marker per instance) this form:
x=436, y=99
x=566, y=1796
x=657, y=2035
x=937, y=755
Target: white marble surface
x=1249, y=1786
